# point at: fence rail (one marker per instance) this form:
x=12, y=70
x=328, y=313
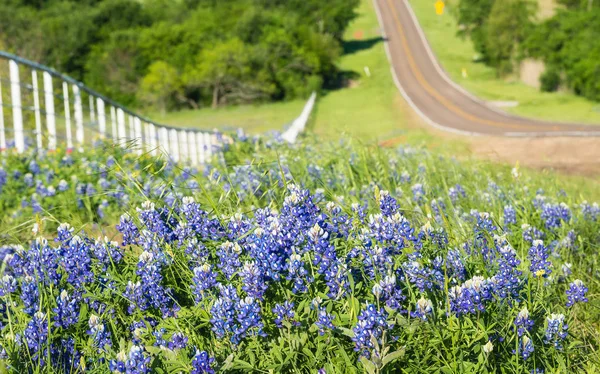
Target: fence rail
x=63, y=111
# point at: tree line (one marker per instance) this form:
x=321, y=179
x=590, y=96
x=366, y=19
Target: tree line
x=183, y=53
x=506, y=31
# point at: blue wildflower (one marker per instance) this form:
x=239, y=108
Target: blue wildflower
x=576, y=293
x=556, y=330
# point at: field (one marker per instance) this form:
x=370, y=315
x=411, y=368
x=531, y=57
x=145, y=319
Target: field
x=315, y=257
x=455, y=54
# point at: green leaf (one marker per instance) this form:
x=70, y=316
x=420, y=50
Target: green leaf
x=368, y=365
x=393, y=356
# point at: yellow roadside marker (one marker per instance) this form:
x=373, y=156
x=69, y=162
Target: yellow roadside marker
x=439, y=7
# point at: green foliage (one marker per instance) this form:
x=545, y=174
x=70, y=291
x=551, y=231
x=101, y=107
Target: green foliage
x=289, y=47
x=550, y=80
x=569, y=42
x=472, y=15
x=507, y=26
x=161, y=83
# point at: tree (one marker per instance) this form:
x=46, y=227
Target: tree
x=472, y=16
x=225, y=69
x=160, y=85
x=507, y=27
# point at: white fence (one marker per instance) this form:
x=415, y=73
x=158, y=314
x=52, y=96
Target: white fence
x=63, y=112
x=47, y=116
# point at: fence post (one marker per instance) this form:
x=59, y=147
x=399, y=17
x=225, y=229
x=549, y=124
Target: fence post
x=200, y=145
x=131, y=129
x=2, y=133
x=36, y=108
x=153, y=139
x=78, y=115
x=92, y=110
x=174, y=146
x=50, y=114
x=208, y=144
x=121, y=121
x=15, y=93
x=101, y=117
x=67, y=116
x=193, y=147
x=139, y=139
x=113, y=121
x=163, y=139
x=183, y=146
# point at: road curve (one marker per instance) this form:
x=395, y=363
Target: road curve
x=441, y=102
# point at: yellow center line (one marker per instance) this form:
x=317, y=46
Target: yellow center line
x=445, y=102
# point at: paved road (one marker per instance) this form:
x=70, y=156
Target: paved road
x=441, y=102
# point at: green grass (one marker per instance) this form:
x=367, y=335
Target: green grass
x=253, y=118
x=368, y=107
x=455, y=54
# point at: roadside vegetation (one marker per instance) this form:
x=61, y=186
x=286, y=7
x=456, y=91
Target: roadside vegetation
x=490, y=38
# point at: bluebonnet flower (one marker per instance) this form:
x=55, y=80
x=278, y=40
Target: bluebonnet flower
x=253, y=281
x=36, y=335
x=284, y=312
x=325, y=257
x=418, y=275
x=204, y=279
x=405, y=177
x=531, y=233
x=158, y=221
x=128, y=229
x=576, y=293
x=483, y=222
x=8, y=284
x=149, y=293
x=510, y=215
x=202, y=363
x=298, y=274
x=455, y=265
x=229, y=258
x=372, y=324
x=324, y=321
x=178, y=341
x=456, y=193
x=135, y=363
x=590, y=212
x=30, y=295
x=418, y=192
x=538, y=256
x=337, y=222
x=65, y=233
x=99, y=333
x=471, y=296
x=67, y=309
x=389, y=292
x=554, y=214
x=223, y=311
x=160, y=341
x=248, y=319
x=387, y=203
x=107, y=252
x=63, y=185
x=423, y=309
x=525, y=347
x=556, y=330
x=507, y=282
x=523, y=322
